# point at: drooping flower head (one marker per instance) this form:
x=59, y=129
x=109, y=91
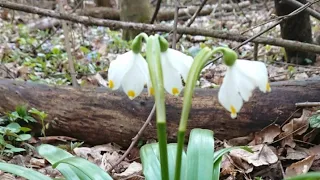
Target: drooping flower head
x=129, y=71
x=174, y=65
x=241, y=78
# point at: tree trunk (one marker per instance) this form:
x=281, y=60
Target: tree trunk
x=99, y=116
x=296, y=28
x=105, y=3
x=134, y=11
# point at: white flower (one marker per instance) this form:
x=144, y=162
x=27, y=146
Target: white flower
x=240, y=80
x=129, y=70
x=174, y=65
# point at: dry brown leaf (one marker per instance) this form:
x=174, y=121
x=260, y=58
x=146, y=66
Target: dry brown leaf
x=109, y=159
x=226, y=167
x=296, y=126
x=133, y=169
x=241, y=141
x=296, y=154
x=241, y=164
x=38, y=163
x=262, y=155
x=266, y=135
x=300, y=167
x=315, y=150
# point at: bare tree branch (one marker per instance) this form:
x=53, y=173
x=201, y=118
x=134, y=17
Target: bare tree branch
x=154, y=17
x=162, y=28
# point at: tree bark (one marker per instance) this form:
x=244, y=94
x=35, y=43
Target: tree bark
x=137, y=11
x=99, y=116
x=164, y=14
x=105, y=3
x=296, y=28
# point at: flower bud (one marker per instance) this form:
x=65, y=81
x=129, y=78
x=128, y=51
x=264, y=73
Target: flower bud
x=229, y=55
x=137, y=44
x=164, y=45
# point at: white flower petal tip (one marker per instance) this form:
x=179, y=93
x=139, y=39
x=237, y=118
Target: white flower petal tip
x=233, y=112
x=268, y=88
x=175, y=91
x=131, y=94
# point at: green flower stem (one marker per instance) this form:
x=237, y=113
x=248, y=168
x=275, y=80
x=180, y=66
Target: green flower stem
x=199, y=62
x=155, y=69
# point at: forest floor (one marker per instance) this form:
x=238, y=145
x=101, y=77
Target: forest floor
x=30, y=52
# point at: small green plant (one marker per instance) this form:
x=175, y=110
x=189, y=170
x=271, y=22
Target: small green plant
x=314, y=120
x=12, y=133
x=70, y=147
x=42, y=115
x=20, y=114
x=11, y=136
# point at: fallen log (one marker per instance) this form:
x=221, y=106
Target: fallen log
x=99, y=116
x=164, y=14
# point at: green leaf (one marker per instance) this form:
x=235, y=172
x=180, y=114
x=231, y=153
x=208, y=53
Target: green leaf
x=29, y=119
x=307, y=176
x=25, y=129
x=13, y=127
x=23, y=137
x=54, y=155
x=56, y=51
x=2, y=141
x=200, y=154
x=150, y=158
x=315, y=121
x=22, y=171
x=22, y=111
x=41, y=114
x=91, y=170
x=84, y=50
x=216, y=169
x=16, y=150
x=13, y=116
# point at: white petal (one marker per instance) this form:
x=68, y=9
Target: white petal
x=171, y=77
x=256, y=71
x=134, y=80
x=179, y=61
x=244, y=85
x=118, y=68
x=228, y=95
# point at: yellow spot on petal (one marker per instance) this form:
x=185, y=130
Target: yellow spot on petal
x=268, y=87
x=233, y=111
x=151, y=91
x=111, y=84
x=175, y=91
x=131, y=94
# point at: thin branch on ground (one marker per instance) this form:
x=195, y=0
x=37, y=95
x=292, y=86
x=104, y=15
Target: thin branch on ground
x=68, y=48
x=154, y=16
x=135, y=139
x=307, y=104
x=294, y=45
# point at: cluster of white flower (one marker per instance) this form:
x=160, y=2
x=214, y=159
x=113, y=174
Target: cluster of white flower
x=130, y=71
